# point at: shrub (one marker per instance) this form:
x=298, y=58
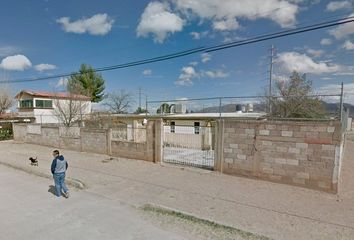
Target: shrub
x=5, y=134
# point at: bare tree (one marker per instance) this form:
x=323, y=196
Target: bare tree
x=6, y=100
x=70, y=110
x=119, y=102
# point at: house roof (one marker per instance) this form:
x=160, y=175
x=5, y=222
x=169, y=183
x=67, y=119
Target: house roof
x=55, y=95
x=8, y=115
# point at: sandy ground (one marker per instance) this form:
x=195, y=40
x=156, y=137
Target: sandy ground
x=29, y=211
x=273, y=210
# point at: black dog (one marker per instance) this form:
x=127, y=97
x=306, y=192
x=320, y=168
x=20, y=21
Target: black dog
x=34, y=161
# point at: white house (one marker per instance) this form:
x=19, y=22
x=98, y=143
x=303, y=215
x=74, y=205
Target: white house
x=44, y=106
x=196, y=130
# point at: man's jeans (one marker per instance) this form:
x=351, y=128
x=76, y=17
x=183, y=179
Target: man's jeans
x=59, y=180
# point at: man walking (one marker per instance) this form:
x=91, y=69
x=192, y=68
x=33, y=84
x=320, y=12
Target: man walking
x=58, y=168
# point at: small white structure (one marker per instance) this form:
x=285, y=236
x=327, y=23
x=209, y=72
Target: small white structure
x=42, y=105
x=196, y=130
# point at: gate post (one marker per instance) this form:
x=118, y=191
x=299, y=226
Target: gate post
x=219, y=149
x=109, y=141
x=158, y=141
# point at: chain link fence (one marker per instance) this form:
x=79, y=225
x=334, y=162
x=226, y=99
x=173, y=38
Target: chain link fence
x=319, y=107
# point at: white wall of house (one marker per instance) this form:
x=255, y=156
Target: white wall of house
x=183, y=126
x=48, y=115
x=186, y=135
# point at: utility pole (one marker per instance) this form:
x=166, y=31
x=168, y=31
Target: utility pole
x=341, y=102
x=140, y=97
x=272, y=51
x=146, y=105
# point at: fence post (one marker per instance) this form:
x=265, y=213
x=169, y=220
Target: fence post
x=146, y=105
x=341, y=103
x=149, y=154
x=158, y=141
x=220, y=108
x=219, y=149
x=109, y=141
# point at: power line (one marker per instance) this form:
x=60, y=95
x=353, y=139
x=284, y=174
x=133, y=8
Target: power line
x=202, y=49
x=282, y=34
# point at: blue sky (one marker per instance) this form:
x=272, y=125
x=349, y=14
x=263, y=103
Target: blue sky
x=47, y=37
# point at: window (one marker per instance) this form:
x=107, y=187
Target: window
x=196, y=127
x=44, y=103
x=173, y=127
x=26, y=103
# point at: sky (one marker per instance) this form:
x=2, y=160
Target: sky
x=46, y=37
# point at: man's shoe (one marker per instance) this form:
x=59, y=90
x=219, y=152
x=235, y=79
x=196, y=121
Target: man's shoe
x=66, y=194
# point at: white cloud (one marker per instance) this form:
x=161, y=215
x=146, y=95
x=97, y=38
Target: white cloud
x=99, y=24
x=195, y=35
x=63, y=82
x=216, y=74
x=15, y=63
x=206, y=57
x=193, y=63
x=348, y=45
x=345, y=71
x=158, y=20
x=199, y=35
x=186, y=77
x=315, y=53
x=7, y=50
x=228, y=24
x=293, y=61
x=335, y=89
x=279, y=11
x=280, y=78
x=337, y=5
x=147, y=72
x=343, y=30
x=326, y=41
x=44, y=67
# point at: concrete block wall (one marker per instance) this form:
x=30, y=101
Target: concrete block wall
x=96, y=141
x=300, y=153
x=49, y=136
x=70, y=143
x=129, y=150
x=20, y=132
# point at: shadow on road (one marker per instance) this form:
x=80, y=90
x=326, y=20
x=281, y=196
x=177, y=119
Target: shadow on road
x=51, y=189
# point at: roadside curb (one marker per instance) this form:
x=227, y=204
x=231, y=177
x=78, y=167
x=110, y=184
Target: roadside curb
x=70, y=181
x=159, y=209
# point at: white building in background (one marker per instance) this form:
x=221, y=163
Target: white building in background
x=42, y=105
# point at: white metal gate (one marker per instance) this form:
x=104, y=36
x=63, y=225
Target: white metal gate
x=189, y=145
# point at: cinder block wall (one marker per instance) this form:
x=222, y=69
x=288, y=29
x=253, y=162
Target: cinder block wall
x=129, y=150
x=49, y=136
x=20, y=132
x=307, y=154
x=95, y=141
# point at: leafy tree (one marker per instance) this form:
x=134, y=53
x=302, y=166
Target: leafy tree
x=294, y=100
x=140, y=110
x=164, y=108
x=87, y=82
